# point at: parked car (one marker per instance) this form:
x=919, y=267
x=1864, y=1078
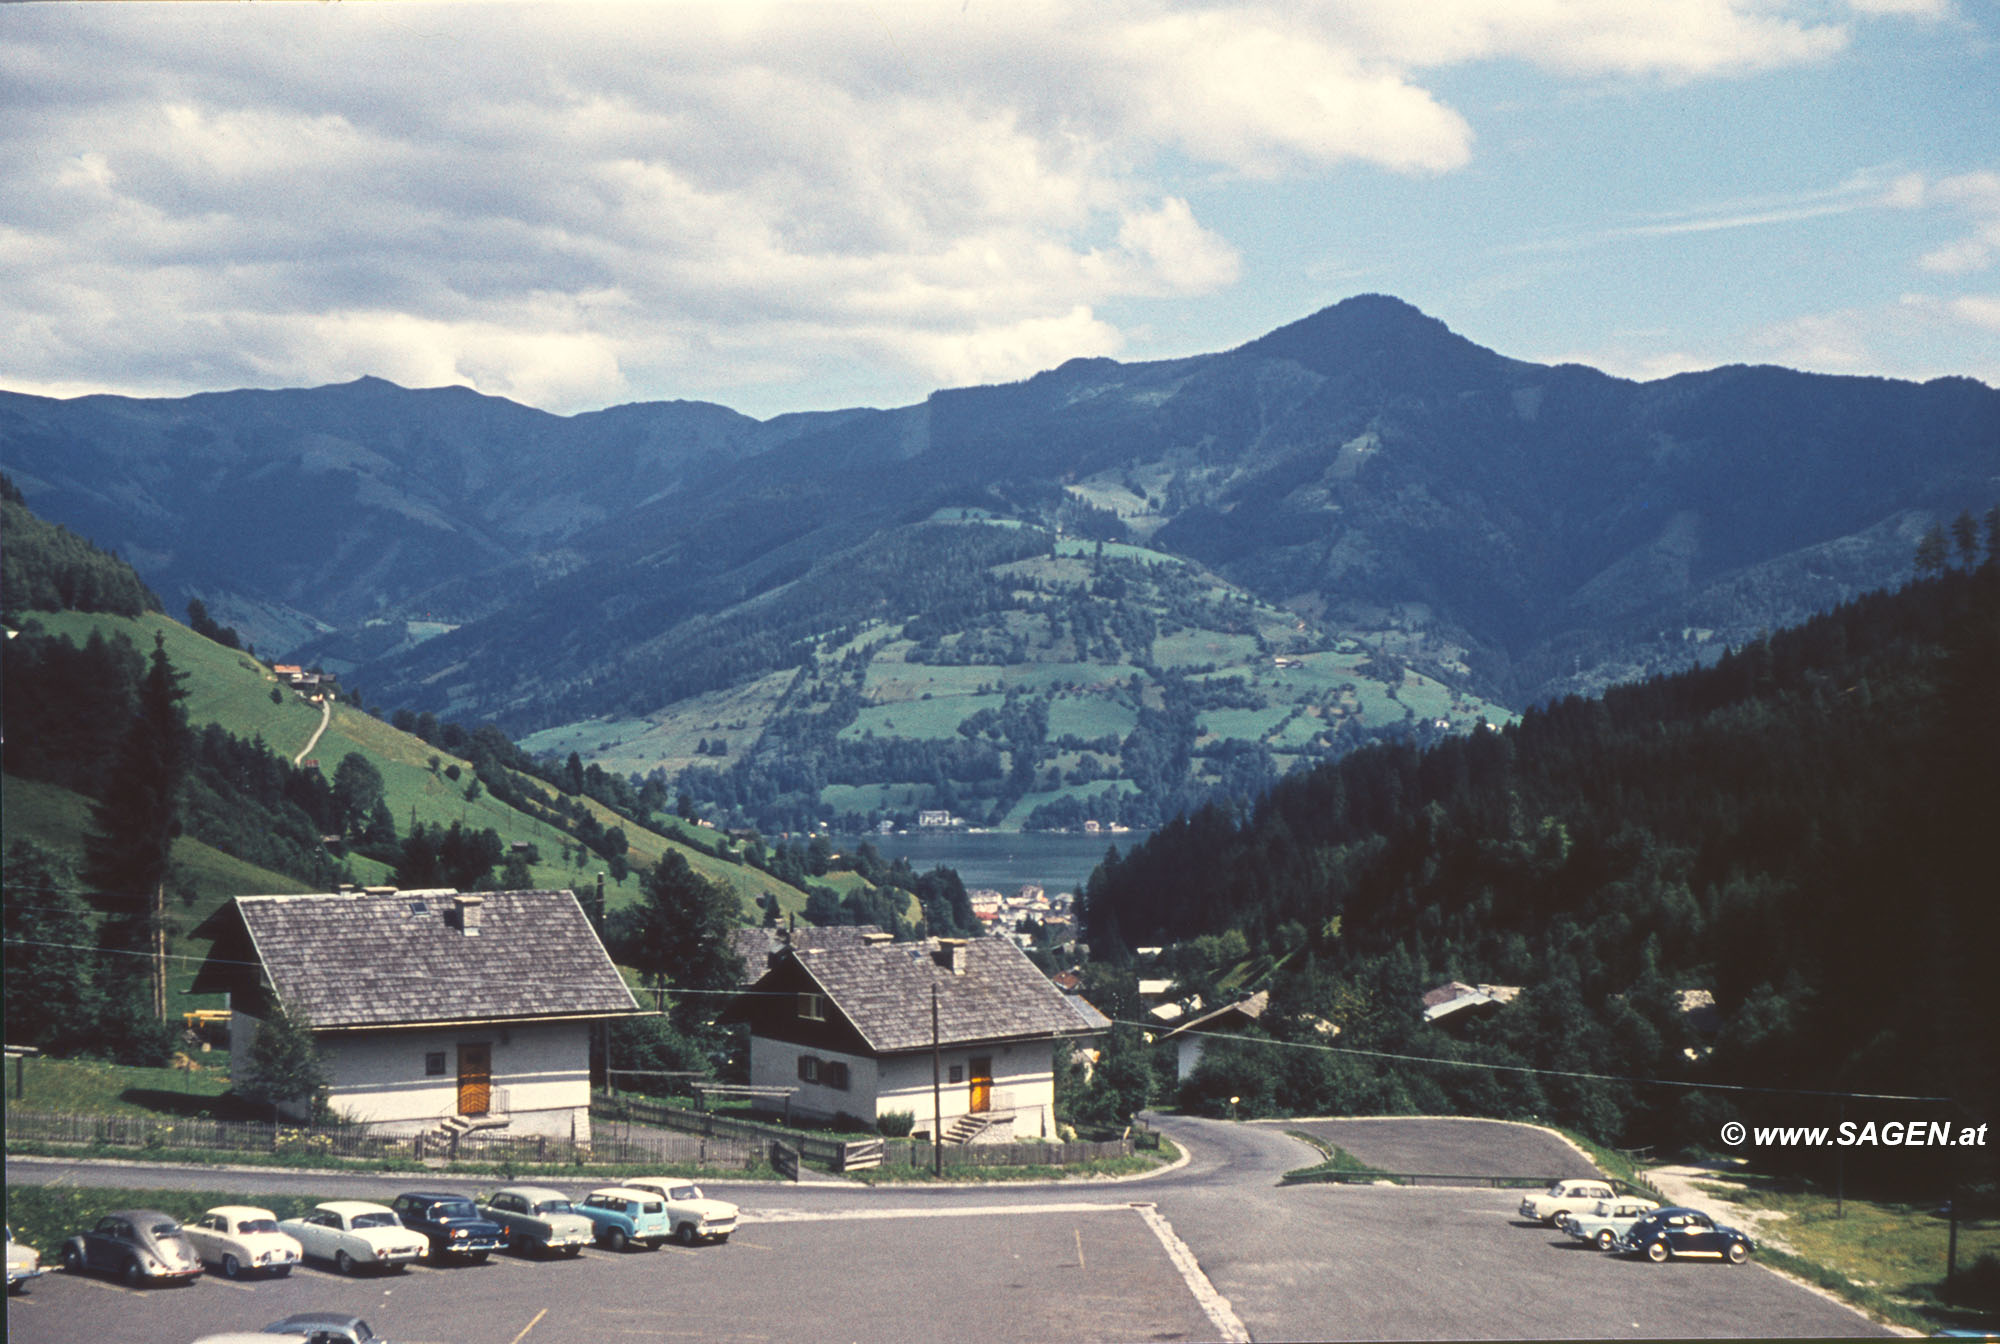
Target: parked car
x=239, y=1238
x=622, y=1216
x=24, y=1262
x=694, y=1216
x=453, y=1225
x=141, y=1245
x=1566, y=1196
x=353, y=1233
x=1666, y=1234
x=539, y=1220
x=326, y=1327
x=1608, y=1221
x=270, y=1334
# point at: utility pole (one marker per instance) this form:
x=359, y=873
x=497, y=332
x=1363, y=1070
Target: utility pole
x=937, y=1093
x=159, y=922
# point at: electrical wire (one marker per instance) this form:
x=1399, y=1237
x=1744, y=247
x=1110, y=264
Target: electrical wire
x=1530, y=1069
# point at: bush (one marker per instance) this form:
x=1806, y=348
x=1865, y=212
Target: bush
x=896, y=1124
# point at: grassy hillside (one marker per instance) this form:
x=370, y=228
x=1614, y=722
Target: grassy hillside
x=232, y=689
x=59, y=819
x=909, y=708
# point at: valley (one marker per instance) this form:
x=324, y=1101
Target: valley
x=1108, y=592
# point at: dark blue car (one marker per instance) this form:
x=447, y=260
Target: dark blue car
x=1681, y=1233
x=454, y=1225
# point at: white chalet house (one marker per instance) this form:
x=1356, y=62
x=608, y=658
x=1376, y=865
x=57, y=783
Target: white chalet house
x=432, y=1008
x=844, y=1019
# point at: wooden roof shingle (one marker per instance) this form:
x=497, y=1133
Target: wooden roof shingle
x=884, y=990
x=402, y=959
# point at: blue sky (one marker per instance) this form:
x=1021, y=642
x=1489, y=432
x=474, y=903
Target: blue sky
x=806, y=206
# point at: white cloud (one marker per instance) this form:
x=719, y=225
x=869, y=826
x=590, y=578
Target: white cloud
x=1676, y=39
x=1913, y=9
x=576, y=204
x=1977, y=197
x=1917, y=336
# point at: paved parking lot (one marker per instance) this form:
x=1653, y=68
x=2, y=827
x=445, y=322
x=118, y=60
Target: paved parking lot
x=1228, y=1252
x=1074, y=1275
x=1332, y=1262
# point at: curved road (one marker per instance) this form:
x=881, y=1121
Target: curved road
x=1215, y=1248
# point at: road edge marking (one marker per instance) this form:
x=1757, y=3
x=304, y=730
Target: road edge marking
x=1213, y=1304
x=530, y=1325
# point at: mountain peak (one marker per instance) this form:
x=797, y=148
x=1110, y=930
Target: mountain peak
x=1380, y=336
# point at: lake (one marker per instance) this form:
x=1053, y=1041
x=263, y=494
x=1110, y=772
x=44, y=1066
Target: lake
x=1004, y=860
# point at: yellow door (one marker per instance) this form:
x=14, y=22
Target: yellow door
x=475, y=1079
x=982, y=1084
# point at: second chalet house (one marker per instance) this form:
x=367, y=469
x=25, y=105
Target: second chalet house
x=434, y=1009
x=844, y=1019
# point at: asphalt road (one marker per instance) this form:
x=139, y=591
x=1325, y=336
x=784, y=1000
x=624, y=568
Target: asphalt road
x=1452, y=1146
x=1215, y=1249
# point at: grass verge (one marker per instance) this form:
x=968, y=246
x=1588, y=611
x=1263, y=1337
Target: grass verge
x=1339, y=1164
x=1884, y=1256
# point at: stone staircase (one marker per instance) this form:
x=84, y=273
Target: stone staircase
x=444, y=1140
x=967, y=1129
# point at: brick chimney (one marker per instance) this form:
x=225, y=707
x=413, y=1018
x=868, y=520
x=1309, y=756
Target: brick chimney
x=951, y=954
x=465, y=911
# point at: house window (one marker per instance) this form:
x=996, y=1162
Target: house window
x=957, y=1073
x=808, y=1069
x=434, y=1064
x=812, y=1007
x=835, y=1074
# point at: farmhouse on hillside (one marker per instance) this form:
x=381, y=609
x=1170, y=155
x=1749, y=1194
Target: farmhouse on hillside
x=434, y=1009
x=845, y=1020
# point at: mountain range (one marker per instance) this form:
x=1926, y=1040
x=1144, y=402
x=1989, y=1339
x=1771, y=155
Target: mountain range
x=1360, y=522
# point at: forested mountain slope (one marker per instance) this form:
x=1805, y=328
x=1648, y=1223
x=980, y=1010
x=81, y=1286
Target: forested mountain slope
x=1801, y=830
x=1509, y=530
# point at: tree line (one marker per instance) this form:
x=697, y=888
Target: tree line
x=1797, y=831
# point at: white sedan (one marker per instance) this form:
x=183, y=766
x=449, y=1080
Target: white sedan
x=353, y=1233
x=238, y=1239
x=695, y=1216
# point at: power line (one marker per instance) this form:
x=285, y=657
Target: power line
x=670, y=990
x=1530, y=1069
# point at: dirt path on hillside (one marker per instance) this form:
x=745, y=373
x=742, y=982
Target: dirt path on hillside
x=325, y=717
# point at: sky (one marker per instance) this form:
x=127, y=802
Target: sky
x=818, y=205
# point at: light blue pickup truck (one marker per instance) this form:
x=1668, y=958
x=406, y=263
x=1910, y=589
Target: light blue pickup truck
x=623, y=1216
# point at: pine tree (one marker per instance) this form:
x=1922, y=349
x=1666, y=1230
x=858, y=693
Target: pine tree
x=52, y=995
x=678, y=936
x=133, y=825
x=286, y=1069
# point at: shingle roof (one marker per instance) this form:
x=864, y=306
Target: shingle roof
x=1228, y=1015
x=756, y=946
x=355, y=961
x=884, y=989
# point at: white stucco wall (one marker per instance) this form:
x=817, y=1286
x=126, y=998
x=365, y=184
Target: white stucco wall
x=1187, y=1056
x=379, y=1078
x=1023, y=1083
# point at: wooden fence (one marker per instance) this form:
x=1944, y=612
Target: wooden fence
x=842, y=1155
x=916, y=1153
x=165, y=1133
